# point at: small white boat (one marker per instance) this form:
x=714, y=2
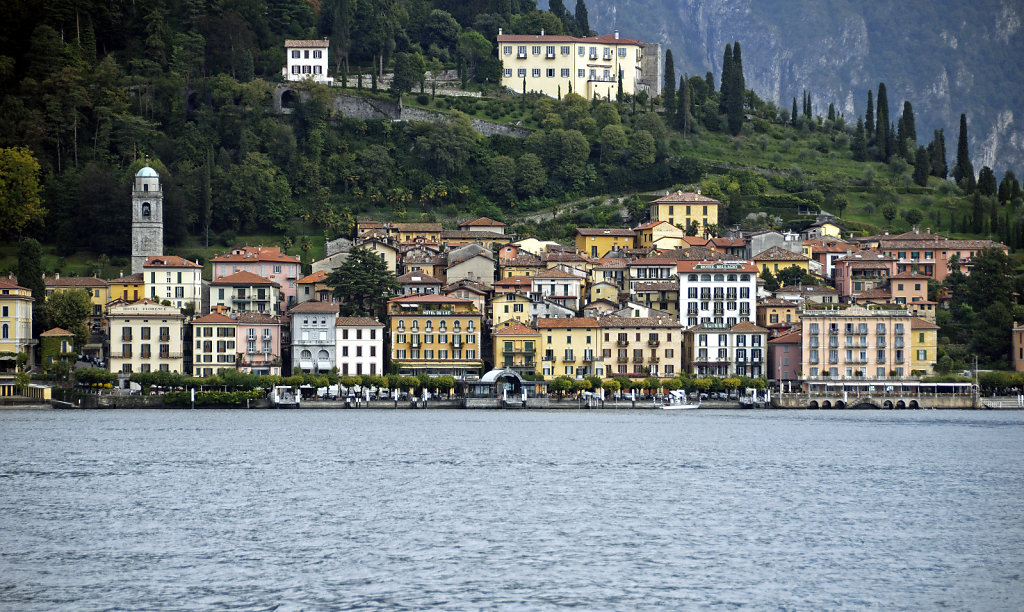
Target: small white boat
x=677, y=400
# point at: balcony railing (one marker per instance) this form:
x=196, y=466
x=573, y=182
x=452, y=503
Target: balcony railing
x=653, y=343
x=569, y=359
x=638, y=359
x=591, y=358
x=654, y=359
x=622, y=359
x=548, y=358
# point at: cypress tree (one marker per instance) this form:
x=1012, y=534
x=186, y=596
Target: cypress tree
x=557, y=8
x=723, y=93
x=582, y=19
x=734, y=104
x=831, y=112
x=987, y=181
x=869, y=120
x=922, y=166
x=619, y=96
x=859, y=143
x=907, y=136
x=710, y=80
x=1009, y=187
x=937, y=149
x=963, y=171
x=683, y=120
x=668, y=96
x=793, y=117
x=882, y=124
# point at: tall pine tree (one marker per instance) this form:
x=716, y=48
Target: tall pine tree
x=882, y=125
x=963, y=171
x=582, y=19
x=557, y=8
x=922, y=166
x=668, y=96
x=937, y=151
x=683, y=120
x=726, y=79
x=734, y=104
x=859, y=143
x=793, y=117
x=906, y=142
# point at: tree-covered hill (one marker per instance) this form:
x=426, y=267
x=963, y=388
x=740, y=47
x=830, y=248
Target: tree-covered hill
x=92, y=91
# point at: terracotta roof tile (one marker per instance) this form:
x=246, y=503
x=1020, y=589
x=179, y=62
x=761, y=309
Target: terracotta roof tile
x=358, y=322
x=777, y=253
x=169, y=261
x=75, y=281
x=314, y=306
x=243, y=277
x=55, y=332
x=684, y=197
x=214, y=318
x=570, y=323
x=517, y=329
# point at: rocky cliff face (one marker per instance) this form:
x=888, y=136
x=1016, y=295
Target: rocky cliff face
x=945, y=56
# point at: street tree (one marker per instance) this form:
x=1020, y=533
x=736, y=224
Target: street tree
x=20, y=193
x=69, y=310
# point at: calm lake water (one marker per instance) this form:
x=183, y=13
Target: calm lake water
x=308, y=509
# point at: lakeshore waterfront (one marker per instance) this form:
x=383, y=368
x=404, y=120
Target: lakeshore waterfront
x=328, y=509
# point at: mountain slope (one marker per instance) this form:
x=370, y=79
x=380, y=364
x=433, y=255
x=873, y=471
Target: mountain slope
x=945, y=56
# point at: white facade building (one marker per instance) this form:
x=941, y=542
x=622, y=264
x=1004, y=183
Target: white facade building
x=360, y=346
x=723, y=292
x=175, y=279
x=718, y=349
x=306, y=59
x=313, y=338
x=146, y=337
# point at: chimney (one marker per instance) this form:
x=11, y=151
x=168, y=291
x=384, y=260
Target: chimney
x=616, y=34
x=56, y=276
x=542, y=31
x=120, y=273
x=499, y=31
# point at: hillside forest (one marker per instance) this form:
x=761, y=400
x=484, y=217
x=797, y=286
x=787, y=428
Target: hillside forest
x=94, y=90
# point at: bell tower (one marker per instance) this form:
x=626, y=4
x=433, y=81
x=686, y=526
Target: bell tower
x=147, y=218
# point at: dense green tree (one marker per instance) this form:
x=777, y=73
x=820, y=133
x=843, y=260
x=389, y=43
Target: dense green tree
x=409, y=68
x=987, y=181
x=441, y=29
x=582, y=19
x=737, y=84
x=922, y=166
x=20, y=191
x=474, y=48
x=362, y=284
x=534, y=21
x=30, y=276
x=906, y=140
x=502, y=178
x=882, y=137
x=963, y=171
x=668, y=90
x=770, y=282
x=793, y=116
x=557, y=8
x=613, y=142
x=1009, y=188
x=888, y=211
x=531, y=176
x=859, y=144
x=448, y=147
x=642, y=150
x=69, y=310
x=937, y=151
x=990, y=338
x=726, y=81
x=684, y=120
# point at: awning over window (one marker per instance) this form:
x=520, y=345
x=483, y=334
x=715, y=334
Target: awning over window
x=306, y=365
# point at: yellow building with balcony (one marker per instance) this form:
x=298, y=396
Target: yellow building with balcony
x=213, y=341
x=924, y=346
x=515, y=348
x=435, y=335
x=639, y=347
x=570, y=347
x=146, y=337
x=682, y=208
x=15, y=319
x=599, y=241
x=556, y=65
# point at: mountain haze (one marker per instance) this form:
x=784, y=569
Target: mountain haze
x=945, y=56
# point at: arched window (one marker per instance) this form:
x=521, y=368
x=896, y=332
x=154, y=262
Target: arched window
x=745, y=278
x=705, y=278
x=146, y=211
x=719, y=278
x=6, y=332
x=306, y=355
x=692, y=278
x=322, y=355
x=732, y=278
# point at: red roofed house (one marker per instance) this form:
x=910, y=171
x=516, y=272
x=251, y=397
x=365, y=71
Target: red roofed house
x=268, y=262
x=172, y=278
x=721, y=292
x=245, y=292
x=258, y=342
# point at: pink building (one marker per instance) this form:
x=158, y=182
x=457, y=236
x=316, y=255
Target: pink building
x=785, y=361
x=268, y=262
x=929, y=253
x=855, y=343
x=258, y=341
x=862, y=271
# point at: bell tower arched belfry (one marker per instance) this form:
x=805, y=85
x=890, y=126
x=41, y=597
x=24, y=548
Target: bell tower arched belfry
x=147, y=218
